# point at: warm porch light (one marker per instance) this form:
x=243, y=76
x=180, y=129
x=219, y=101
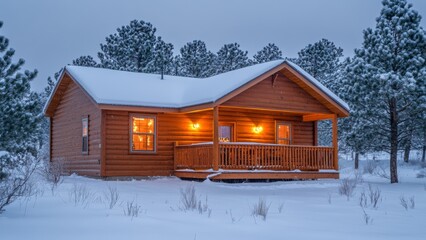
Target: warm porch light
x=257, y=129
x=195, y=126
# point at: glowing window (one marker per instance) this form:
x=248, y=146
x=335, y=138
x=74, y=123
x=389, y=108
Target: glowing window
x=283, y=133
x=85, y=135
x=226, y=132
x=143, y=133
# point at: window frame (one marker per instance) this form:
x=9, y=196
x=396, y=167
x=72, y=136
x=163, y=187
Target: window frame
x=138, y=115
x=277, y=138
x=83, y=120
x=233, y=130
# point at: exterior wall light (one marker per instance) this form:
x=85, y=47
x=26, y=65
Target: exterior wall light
x=258, y=129
x=195, y=126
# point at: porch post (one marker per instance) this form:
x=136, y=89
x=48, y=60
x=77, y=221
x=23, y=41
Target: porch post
x=315, y=133
x=215, y=159
x=335, y=143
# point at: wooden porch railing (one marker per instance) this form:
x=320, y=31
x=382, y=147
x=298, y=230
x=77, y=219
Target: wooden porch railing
x=255, y=156
x=198, y=156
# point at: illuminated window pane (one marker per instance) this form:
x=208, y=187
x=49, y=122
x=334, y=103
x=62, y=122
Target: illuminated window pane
x=225, y=133
x=85, y=135
x=143, y=125
x=85, y=124
x=283, y=133
x=143, y=134
x=149, y=143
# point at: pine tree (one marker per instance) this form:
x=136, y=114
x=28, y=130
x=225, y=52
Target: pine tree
x=18, y=119
x=385, y=77
x=85, y=61
x=321, y=60
x=163, y=58
x=51, y=85
x=230, y=57
x=196, y=60
x=132, y=48
x=176, y=66
x=20, y=115
x=268, y=53
x=354, y=135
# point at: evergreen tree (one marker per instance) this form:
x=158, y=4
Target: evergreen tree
x=176, y=66
x=268, y=53
x=385, y=77
x=354, y=135
x=196, y=60
x=18, y=115
x=51, y=85
x=163, y=58
x=230, y=57
x=85, y=61
x=132, y=48
x=321, y=60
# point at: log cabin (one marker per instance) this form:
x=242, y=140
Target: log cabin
x=258, y=122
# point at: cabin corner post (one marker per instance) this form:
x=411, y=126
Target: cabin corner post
x=335, y=143
x=175, y=144
x=103, y=143
x=50, y=138
x=215, y=159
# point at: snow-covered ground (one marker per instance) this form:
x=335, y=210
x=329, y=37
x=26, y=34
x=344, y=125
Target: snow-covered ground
x=298, y=210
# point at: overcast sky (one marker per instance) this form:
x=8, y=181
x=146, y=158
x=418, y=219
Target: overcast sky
x=49, y=34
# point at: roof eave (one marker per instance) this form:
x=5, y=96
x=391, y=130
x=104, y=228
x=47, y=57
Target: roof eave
x=53, y=93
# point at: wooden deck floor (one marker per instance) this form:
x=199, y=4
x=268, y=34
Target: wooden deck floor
x=254, y=175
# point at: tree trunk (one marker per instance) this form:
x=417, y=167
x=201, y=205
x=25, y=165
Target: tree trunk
x=407, y=147
x=393, y=140
x=356, y=160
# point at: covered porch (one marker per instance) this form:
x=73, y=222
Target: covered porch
x=218, y=160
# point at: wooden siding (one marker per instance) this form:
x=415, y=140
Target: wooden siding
x=313, y=91
x=278, y=93
x=171, y=128
x=66, y=131
x=302, y=132
x=178, y=128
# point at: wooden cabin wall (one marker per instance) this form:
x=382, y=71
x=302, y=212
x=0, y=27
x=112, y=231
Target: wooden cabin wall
x=279, y=93
x=170, y=128
x=178, y=128
x=66, y=132
x=246, y=120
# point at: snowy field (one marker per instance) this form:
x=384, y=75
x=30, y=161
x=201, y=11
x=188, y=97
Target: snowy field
x=79, y=209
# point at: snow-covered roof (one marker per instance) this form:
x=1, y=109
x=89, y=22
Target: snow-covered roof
x=113, y=87
x=107, y=86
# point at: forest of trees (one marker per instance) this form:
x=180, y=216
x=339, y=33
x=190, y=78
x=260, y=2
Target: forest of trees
x=383, y=82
